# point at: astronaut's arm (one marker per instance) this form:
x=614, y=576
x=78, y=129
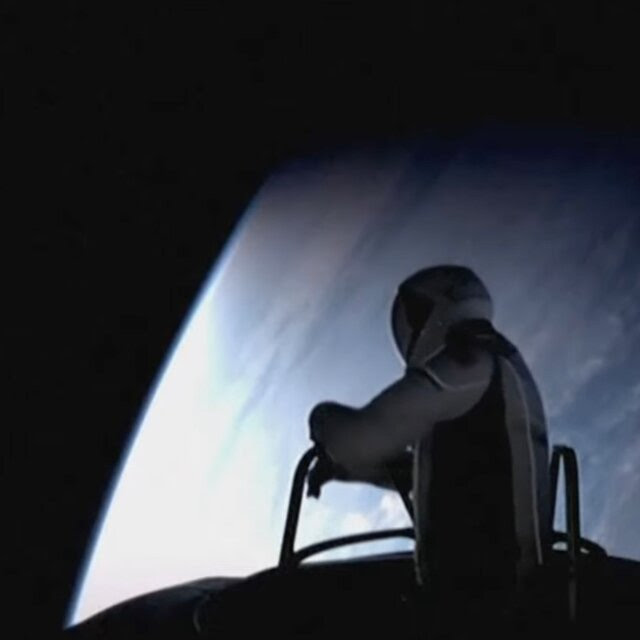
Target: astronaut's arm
x=362, y=439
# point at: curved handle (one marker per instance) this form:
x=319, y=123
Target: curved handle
x=370, y=536
x=295, y=501
x=572, y=512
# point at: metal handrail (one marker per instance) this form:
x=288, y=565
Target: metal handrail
x=288, y=556
x=572, y=512
x=575, y=543
x=356, y=538
x=295, y=502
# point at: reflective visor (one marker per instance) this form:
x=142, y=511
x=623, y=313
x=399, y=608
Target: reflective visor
x=411, y=312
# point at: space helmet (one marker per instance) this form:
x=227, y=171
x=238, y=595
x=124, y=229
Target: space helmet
x=429, y=303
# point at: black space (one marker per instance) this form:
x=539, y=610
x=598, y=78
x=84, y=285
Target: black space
x=134, y=141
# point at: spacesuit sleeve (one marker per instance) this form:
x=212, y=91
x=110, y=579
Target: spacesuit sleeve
x=361, y=439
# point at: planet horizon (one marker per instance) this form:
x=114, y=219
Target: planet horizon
x=296, y=311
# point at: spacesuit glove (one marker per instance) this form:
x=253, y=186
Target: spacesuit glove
x=323, y=471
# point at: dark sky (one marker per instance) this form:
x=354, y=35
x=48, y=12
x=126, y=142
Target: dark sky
x=134, y=140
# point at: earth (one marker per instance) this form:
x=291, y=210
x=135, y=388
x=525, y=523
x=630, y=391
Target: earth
x=296, y=311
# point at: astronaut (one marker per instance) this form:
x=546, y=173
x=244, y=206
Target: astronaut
x=469, y=418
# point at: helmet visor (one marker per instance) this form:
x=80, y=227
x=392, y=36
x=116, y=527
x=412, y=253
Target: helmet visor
x=411, y=312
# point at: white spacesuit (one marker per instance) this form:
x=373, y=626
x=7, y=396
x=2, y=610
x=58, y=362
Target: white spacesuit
x=469, y=416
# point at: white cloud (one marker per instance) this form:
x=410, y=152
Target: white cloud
x=355, y=522
x=392, y=511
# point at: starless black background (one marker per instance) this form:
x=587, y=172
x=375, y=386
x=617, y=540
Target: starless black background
x=135, y=139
